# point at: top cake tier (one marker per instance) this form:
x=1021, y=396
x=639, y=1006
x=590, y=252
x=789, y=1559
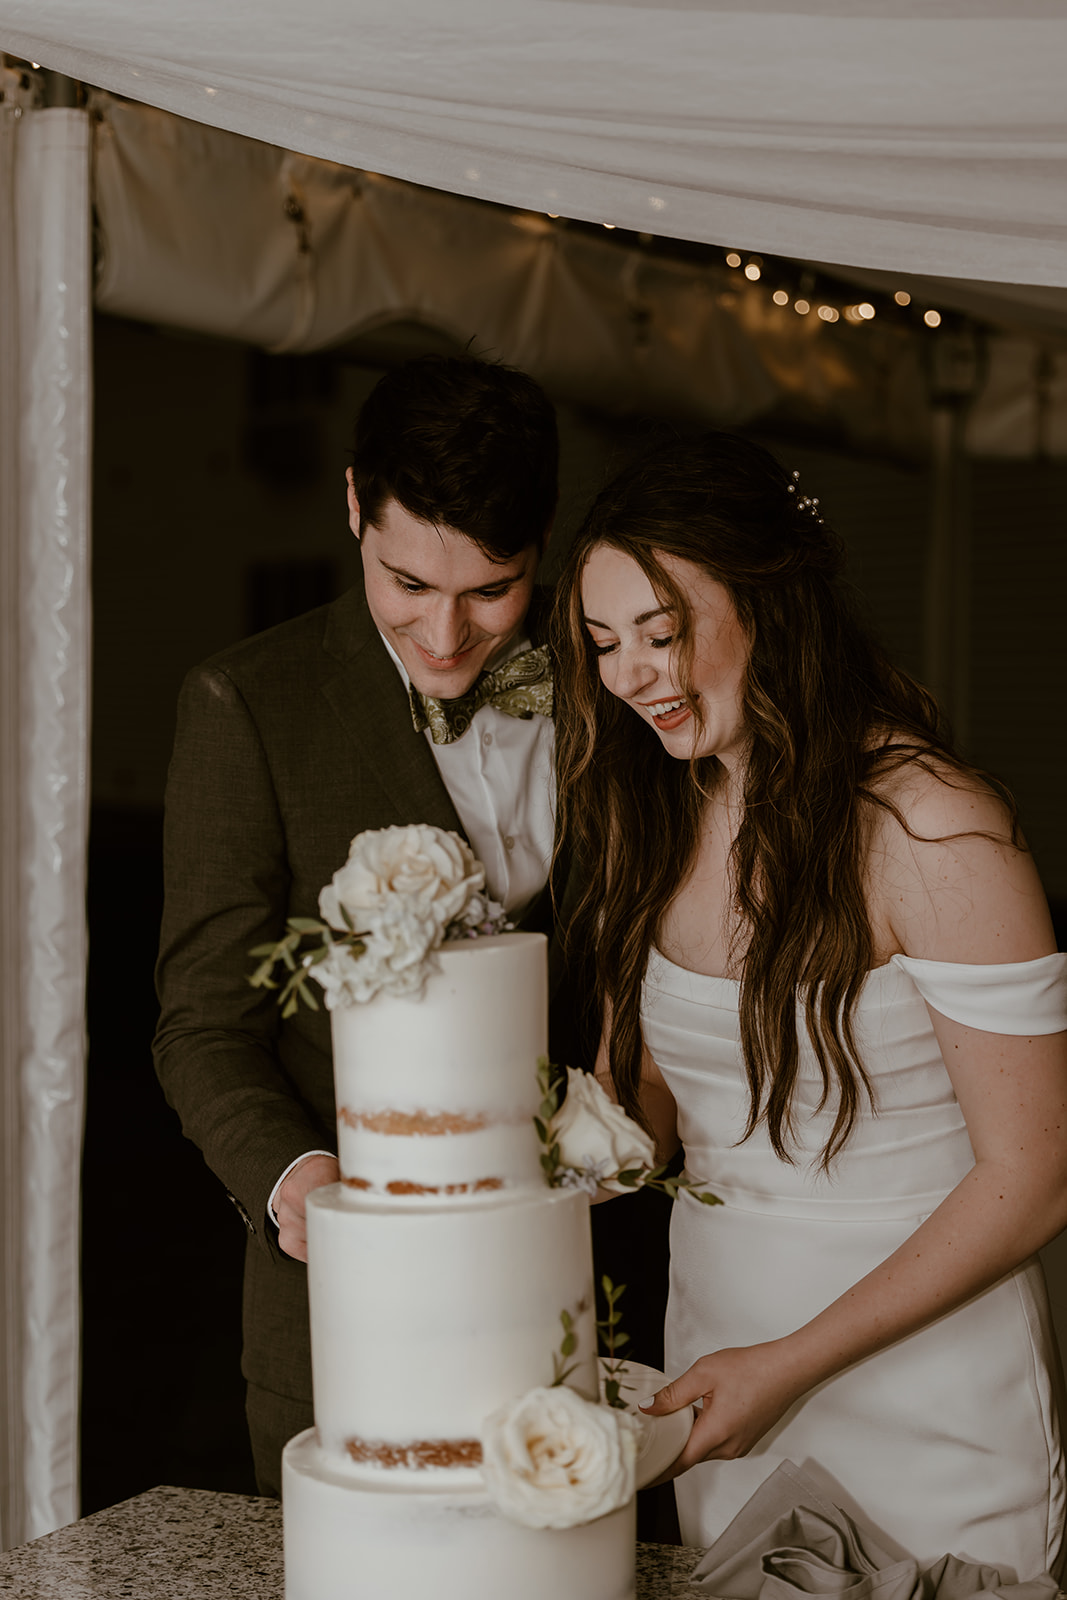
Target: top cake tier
x=436, y=1095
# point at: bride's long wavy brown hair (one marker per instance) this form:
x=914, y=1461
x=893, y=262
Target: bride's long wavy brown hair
x=829, y=720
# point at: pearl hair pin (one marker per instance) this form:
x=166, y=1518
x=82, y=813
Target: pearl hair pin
x=805, y=502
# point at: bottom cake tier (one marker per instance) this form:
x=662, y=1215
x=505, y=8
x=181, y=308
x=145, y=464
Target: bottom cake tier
x=350, y=1539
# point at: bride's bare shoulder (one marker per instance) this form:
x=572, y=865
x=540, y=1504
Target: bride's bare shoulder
x=925, y=798
x=949, y=874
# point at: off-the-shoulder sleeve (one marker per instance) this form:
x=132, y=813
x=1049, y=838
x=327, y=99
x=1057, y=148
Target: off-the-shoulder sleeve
x=1021, y=997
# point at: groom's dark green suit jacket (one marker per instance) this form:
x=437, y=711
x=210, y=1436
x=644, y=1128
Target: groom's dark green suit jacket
x=287, y=745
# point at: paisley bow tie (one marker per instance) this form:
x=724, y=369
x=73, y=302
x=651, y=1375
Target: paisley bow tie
x=522, y=687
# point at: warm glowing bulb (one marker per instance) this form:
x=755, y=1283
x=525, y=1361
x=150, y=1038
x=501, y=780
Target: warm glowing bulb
x=733, y=259
x=932, y=319
x=802, y=307
x=752, y=272
x=552, y=214
x=608, y=225
x=828, y=314
x=866, y=310
x=902, y=297
x=780, y=297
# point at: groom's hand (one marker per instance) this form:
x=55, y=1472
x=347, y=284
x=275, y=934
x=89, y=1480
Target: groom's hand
x=313, y=1173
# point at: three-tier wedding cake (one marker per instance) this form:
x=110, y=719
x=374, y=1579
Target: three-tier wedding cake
x=459, y=1447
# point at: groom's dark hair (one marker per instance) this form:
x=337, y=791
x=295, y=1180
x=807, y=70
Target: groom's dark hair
x=464, y=444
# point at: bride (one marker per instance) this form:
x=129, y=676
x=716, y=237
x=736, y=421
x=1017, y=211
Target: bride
x=827, y=969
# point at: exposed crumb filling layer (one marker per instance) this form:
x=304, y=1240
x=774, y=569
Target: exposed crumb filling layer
x=407, y=1186
x=418, y=1124
x=418, y=1454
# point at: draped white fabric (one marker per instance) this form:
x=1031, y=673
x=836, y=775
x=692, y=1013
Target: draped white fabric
x=295, y=253
x=45, y=288
x=921, y=135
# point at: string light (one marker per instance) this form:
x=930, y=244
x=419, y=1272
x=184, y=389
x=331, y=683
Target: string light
x=861, y=313
x=804, y=288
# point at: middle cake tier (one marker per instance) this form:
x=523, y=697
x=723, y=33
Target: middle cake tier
x=425, y=1321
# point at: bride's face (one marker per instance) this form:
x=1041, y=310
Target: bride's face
x=634, y=638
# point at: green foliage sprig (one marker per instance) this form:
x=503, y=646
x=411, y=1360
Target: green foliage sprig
x=612, y=1337
x=568, y=1345
x=672, y=1187
x=285, y=953
x=550, y=1079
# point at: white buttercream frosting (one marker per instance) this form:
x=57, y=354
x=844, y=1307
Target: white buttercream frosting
x=424, y=1321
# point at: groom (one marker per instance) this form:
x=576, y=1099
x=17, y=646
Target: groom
x=292, y=742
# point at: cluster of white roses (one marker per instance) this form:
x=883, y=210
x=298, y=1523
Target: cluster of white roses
x=405, y=890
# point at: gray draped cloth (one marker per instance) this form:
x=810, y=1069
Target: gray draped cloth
x=789, y=1541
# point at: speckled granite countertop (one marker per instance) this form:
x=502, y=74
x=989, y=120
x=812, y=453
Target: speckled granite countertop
x=191, y=1544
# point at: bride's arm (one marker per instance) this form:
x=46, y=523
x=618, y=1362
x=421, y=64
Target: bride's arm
x=963, y=900
x=657, y=1102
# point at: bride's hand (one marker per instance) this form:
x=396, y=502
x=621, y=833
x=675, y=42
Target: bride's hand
x=744, y=1392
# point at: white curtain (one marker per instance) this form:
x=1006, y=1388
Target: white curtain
x=45, y=289
x=912, y=135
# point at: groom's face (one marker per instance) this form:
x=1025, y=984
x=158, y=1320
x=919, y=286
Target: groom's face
x=447, y=609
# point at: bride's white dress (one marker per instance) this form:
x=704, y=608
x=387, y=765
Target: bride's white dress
x=949, y=1441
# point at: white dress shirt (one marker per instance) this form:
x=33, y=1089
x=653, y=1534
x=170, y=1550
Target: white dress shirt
x=501, y=777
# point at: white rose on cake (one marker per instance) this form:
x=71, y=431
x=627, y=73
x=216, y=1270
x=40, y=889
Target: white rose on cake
x=555, y=1460
x=398, y=955
x=432, y=872
x=596, y=1138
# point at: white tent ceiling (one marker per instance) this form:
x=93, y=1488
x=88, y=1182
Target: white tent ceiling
x=927, y=136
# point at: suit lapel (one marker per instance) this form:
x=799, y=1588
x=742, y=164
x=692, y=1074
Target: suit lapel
x=367, y=694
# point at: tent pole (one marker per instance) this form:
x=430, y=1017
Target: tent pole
x=58, y=90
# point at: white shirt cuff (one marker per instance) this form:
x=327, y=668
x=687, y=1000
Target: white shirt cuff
x=272, y=1214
